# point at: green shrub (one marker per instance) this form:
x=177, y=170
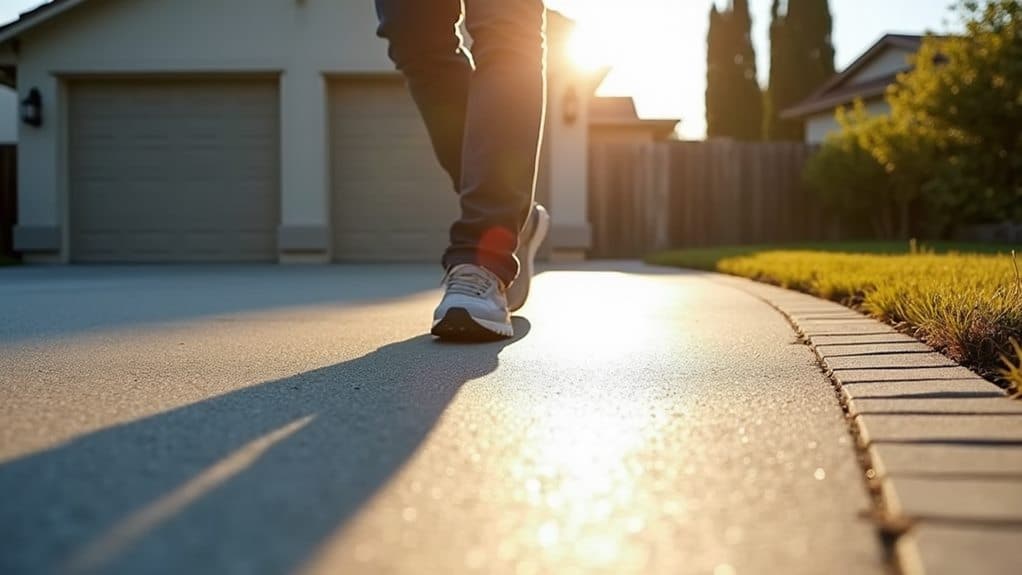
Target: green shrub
x=950, y=152
x=850, y=181
x=875, y=170
x=965, y=96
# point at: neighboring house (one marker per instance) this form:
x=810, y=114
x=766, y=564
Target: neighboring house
x=614, y=119
x=8, y=116
x=190, y=130
x=867, y=78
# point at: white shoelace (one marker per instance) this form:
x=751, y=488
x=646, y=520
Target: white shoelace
x=472, y=282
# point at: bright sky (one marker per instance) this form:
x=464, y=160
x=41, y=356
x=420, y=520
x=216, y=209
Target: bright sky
x=658, y=47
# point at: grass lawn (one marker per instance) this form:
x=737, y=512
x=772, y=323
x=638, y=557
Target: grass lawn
x=963, y=299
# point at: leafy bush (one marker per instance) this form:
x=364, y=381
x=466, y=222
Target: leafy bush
x=950, y=152
x=869, y=171
x=965, y=94
x=848, y=179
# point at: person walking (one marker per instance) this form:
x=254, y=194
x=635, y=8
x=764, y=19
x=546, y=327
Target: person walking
x=484, y=111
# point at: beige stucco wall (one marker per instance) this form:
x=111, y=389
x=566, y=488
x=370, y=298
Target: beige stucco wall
x=301, y=41
x=820, y=125
x=569, y=156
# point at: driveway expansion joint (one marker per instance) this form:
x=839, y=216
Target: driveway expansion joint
x=940, y=446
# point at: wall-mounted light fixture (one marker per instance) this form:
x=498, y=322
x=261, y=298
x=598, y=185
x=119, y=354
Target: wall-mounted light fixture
x=570, y=106
x=32, y=108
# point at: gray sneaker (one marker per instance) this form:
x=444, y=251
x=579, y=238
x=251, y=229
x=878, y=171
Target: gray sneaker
x=474, y=307
x=532, y=237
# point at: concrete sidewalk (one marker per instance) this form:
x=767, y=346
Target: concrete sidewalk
x=274, y=420
x=942, y=446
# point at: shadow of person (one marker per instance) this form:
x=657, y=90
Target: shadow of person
x=249, y=482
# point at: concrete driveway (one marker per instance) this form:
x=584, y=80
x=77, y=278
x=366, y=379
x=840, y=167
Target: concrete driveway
x=297, y=419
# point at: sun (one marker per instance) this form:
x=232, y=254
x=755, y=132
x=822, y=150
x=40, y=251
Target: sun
x=586, y=49
x=614, y=36
x=652, y=48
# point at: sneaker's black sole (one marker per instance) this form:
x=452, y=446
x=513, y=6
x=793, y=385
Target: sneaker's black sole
x=458, y=325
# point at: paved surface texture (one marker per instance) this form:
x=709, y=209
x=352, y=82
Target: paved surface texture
x=936, y=550
x=274, y=420
x=945, y=445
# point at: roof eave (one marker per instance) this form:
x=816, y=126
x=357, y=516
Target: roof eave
x=33, y=18
x=666, y=125
x=887, y=40
x=807, y=109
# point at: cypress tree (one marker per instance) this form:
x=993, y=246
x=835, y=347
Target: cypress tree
x=801, y=60
x=780, y=51
x=734, y=103
x=817, y=25
x=715, y=86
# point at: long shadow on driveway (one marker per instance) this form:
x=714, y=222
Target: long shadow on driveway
x=248, y=482
x=44, y=302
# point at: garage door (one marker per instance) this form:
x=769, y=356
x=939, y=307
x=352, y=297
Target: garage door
x=391, y=200
x=174, y=170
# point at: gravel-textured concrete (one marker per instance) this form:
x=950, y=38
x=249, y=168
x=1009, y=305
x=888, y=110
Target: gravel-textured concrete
x=273, y=419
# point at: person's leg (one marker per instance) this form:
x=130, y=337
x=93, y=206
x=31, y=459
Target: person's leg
x=485, y=125
x=503, y=126
x=426, y=47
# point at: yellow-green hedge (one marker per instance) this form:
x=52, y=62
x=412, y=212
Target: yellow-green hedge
x=968, y=306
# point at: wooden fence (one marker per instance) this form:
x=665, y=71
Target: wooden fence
x=628, y=197
x=8, y=196
x=652, y=196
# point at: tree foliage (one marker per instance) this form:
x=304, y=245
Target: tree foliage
x=849, y=179
x=964, y=97
x=872, y=171
x=950, y=152
x=734, y=103
x=801, y=61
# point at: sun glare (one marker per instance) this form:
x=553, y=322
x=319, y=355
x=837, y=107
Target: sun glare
x=641, y=52
x=586, y=50
x=606, y=36
x=650, y=46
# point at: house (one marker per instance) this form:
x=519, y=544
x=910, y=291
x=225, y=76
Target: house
x=189, y=130
x=8, y=116
x=867, y=78
x=615, y=120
